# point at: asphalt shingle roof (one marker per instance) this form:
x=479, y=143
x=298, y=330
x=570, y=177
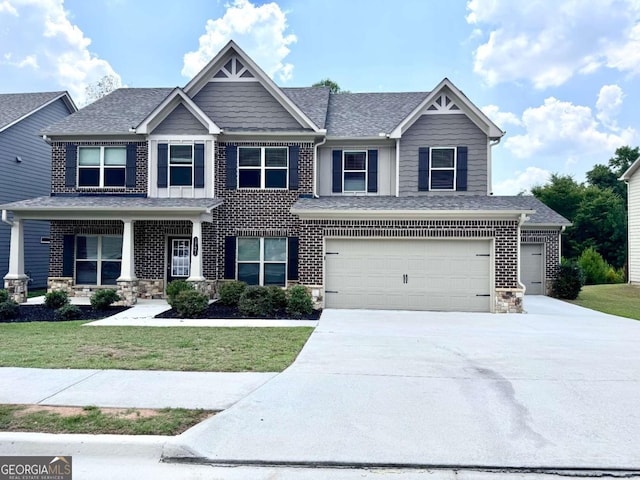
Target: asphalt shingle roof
x=369, y=114
x=543, y=215
x=115, y=113
x=119, y=202
x=313, y=101
x=14, y=106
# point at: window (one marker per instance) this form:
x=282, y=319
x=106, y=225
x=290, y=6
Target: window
x=98, y=259
x=263, y=167
x=102, y=166
x=262, y=261
x=355, y=172
x=442, y=169
x=180, y=165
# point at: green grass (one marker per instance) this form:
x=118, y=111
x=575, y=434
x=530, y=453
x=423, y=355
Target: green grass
x=70, y=345
x=620, y=299
x=93, y=420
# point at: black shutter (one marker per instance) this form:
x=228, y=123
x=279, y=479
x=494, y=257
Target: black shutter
x=337, y=171
x=70, y=161
x=372, y=172
x=232, y=167
x=423, y=169
x=461, y=170
x=68, y=245
x=198, y=165
x=130, y=174
x=294, y=154
x=163, y=164
x=292, y=260
x=230, y=258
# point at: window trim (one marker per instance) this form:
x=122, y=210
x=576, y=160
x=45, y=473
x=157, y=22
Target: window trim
x=101, y=167
x=263, y=168
x=98, y=259
x=454, y=168
x=365, y=171
x=181, y=165
x=262, y=262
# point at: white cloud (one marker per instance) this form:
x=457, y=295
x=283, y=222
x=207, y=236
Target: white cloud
x=43, y=37
x=522, y=182
x=501, y=119
x=260, y=31
x=608, y=105
x=549, y=44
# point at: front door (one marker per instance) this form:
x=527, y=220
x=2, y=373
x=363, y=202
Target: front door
x=179, y=255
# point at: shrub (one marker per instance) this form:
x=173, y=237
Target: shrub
x=190, y=303
x=256, y=301
x=56, y=299
x=68, y=312
x=230, y=292
x=175, y=288
x=4, y=296
x=615, y=276
x=595, y=267
x=299, y=301
x=9, y=310
x=568, y=282
x=278, y=297
x=102, y=299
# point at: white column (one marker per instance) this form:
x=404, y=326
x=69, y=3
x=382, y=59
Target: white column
x=16, y=256
x=128, y=267
x=196, y=252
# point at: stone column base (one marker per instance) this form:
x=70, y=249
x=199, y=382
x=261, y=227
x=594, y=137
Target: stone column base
x=17, y=288
x=509, y=300
x=128, y=291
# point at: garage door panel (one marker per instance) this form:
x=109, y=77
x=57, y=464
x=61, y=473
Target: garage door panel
x=408, y=274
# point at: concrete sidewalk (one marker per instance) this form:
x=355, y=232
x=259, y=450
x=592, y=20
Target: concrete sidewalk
x=127, y=388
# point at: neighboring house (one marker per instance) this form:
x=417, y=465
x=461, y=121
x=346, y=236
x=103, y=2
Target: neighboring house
x=632, y=177
x=373, y=200
x=26, y=170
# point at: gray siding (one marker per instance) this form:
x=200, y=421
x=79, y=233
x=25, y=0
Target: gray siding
x=30, y=178
x=180, y=122
x=244, y=106
x=443, y=131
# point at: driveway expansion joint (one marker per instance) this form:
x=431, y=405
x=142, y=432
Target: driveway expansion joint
x=69, y=386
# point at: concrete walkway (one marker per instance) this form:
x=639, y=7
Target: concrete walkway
x=557, y=388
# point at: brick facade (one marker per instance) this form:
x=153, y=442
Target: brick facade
x=551, y=250
x=58, y=152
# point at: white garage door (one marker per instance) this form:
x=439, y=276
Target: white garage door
x=446, y=275
x=531, y=269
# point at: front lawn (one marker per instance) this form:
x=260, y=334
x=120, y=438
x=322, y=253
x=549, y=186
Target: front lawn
x=70, y=345
x=619, y=299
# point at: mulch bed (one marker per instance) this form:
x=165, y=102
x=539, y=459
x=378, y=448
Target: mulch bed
x=40, y=313
x=217, y=310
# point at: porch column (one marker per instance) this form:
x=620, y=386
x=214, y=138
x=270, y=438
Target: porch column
x=15, y=281
x=196, y=252
x=128, y=266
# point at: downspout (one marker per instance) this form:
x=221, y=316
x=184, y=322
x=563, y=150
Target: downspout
x=315, y=166
x=397, y=167
x=5, y=218
x=489, y=165
x=523, y=218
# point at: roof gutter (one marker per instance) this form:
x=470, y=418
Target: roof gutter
x=320, y=214
x=5, y=218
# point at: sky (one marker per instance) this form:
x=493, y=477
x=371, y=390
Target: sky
x=561, y=77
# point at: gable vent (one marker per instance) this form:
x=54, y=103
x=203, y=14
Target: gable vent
x=233, y=70
x=443, y=103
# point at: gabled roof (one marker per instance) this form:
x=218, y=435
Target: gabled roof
x=313, y=101
x=175, y=98
x=631, y=170
x=369, y=114
x=474, y=113
x=217, y=62
x=14, y=107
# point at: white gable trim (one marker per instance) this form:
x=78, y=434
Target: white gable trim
x=631, y=170
x=205, y=75
x=169, y=104
x=476, y=115
x=65, y=98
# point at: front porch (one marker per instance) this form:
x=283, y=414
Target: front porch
x=135, y=245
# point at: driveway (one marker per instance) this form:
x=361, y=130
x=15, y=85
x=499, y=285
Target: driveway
x=558, y=387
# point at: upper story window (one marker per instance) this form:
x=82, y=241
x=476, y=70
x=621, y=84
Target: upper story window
x=354, y=171
x=180, y=165
x=102, y=166
x=442, y=169
x=263, y=167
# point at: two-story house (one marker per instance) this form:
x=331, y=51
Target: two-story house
x=378, y=200
x=26, y=170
